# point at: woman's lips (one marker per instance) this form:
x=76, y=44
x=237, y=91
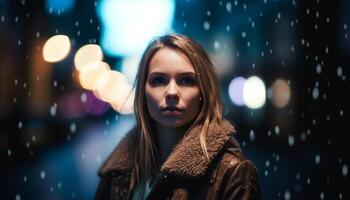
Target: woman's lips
x=171, y=110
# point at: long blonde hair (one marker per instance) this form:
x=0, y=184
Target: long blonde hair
x=210, y=112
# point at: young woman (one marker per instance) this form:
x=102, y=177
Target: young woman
x=181, y=147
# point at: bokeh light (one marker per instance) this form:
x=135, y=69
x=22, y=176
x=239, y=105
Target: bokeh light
x=111, y=86
x=93, y=105
x=254, y=92
x=86, y=54
x=235, y=90
x=89, y=74
x=56, y=48
x=70, y=106
x=281, y=93
x=128, y=25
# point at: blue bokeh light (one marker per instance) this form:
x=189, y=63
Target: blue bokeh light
x=129, y=25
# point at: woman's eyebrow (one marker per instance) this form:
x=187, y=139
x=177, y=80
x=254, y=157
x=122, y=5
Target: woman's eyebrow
x=182, y=73
x=188, y=73
x=157, y=73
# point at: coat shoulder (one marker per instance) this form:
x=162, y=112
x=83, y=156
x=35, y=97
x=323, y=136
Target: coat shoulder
x=236, y=177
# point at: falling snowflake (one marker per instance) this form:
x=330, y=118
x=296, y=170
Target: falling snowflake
x=322, y=195
x=287, y=195
x=42, y=174
x=315, y=93
x=228, y=7
x=216, y=45
x=318, y=69
x=83, y=97
x=251, y=135
x=72, y=128
x=53, y=109
x=344, y=170
x=317, y=159
x=206, y=25
x=339, y=71
x=290, y=140
x=277, y=130
x=20, y=125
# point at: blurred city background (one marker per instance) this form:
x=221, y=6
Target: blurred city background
x=66, y=66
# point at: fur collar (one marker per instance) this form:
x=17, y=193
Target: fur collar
x=186, y=159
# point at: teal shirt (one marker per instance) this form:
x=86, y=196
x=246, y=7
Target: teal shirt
x=141, y=191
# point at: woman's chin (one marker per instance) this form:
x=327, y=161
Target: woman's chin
x=174, y=123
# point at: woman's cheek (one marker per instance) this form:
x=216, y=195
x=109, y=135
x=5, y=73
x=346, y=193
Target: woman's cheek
x=151, y=103
x=193, y=103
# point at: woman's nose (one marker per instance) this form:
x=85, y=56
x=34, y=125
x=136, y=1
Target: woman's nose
x=172, y=90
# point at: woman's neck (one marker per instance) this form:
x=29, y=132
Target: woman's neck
x=167, y=139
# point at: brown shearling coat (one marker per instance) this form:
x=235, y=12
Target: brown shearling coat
x=186, y=174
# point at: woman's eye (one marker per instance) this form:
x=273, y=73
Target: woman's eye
x=188, y=81
x=157, y=80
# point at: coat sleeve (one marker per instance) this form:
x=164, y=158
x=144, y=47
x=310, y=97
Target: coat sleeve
x=242, y=182
x=103, y=189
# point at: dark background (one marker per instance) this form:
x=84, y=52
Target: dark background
x=46, y=156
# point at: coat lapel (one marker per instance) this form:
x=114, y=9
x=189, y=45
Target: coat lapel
x=187, y=158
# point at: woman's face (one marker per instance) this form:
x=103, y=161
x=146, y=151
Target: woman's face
x=172, y=93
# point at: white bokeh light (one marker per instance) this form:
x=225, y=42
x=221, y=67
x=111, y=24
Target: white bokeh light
x=86, y=54
x=56, y=48
x=235, y=90
x=91, y=71
x=254, y=92
x=111, y=86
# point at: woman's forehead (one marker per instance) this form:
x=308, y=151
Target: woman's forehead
x=170, y=61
